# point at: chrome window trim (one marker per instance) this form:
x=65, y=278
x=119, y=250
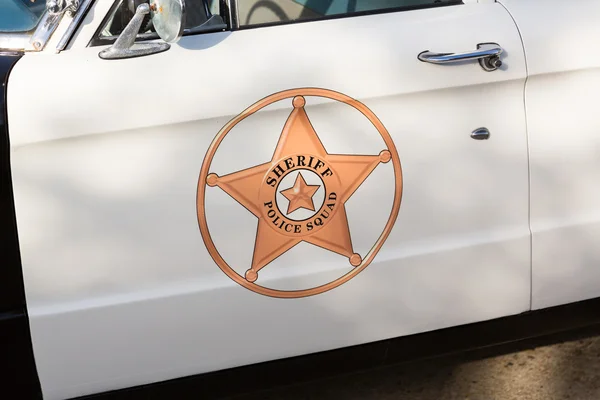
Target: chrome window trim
x=44, y=31
x=234, y=15
x=13, y=40
x=84, y=6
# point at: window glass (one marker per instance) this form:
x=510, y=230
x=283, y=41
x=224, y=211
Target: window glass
x=20, y=15
x=198, y=15
x=253, y=12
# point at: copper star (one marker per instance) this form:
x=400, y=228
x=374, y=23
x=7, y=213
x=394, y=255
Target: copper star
x=300, y=195
x=299, y=148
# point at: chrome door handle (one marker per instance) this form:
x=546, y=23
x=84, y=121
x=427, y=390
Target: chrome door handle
x=488, y=55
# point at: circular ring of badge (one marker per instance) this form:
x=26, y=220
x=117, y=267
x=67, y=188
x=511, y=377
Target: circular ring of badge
x=299, y=155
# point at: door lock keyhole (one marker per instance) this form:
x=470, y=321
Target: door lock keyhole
x=490, y=63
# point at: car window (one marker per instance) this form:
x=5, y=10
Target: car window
x=200, y=16
x=20, y=15
x=256, y=12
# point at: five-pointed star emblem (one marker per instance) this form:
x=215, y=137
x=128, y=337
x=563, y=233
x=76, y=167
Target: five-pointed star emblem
x=300, y=195
x=299, y=149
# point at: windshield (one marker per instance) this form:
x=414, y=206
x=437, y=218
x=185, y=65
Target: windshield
x=20, y=15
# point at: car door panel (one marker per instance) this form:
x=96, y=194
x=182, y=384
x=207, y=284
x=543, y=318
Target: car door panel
x=563, y=130
x=120, y=287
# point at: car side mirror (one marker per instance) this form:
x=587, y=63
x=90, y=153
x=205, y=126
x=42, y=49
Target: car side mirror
x=168, y=18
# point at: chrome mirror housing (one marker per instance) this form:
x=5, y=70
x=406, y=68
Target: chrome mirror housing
x=168, y=19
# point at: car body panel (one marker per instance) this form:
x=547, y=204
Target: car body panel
x=564, y=135
x=121, y=289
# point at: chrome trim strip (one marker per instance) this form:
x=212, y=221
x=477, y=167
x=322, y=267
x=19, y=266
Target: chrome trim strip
x=234, y=17
x=84, y=6
x=44, y=31
x=14, y=41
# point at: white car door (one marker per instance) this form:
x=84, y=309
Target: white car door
x=564, y=135
x=147, y=254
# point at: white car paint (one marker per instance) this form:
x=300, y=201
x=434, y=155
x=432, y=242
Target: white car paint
x=120, y=288
x=561, y=40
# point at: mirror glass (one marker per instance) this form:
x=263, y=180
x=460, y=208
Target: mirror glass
x=168, y=18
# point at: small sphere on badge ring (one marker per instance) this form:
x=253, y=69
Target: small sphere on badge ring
x=385, y=156
x=212, y=179
x=355, y=259
x=298, y=102
x=251, y=275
